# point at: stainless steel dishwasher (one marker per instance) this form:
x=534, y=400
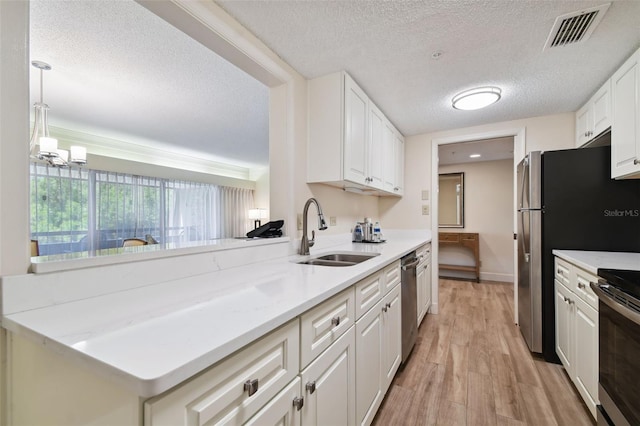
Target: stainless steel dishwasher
x=408, y=291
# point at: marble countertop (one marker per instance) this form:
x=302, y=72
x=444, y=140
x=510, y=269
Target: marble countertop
x=154, y=337
x=591, y=261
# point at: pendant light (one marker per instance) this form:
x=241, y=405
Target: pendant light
x=47, y=146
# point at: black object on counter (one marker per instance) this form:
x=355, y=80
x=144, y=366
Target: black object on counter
x=268, y=230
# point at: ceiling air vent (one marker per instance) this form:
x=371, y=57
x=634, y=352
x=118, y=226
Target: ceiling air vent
x=575, y=27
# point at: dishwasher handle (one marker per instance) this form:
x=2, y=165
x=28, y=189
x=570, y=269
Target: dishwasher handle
x=411, y=265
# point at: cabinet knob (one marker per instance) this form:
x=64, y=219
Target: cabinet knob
x=311, y=387
x=298, y=403
x=388, y=305
x=396, y=189
x=559, y=272
x=636, y=161
x=335, y=321
x=580, y=285
x=586, y=134
x=384, y=308
x=251, y=386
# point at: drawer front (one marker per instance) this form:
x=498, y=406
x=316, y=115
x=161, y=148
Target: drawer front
x=562, y=272
x=368, y=293
x=469, y=237
x=454, y=238
x=391, y=276
x=218, y=395
x=324, y=324
x=583, y=289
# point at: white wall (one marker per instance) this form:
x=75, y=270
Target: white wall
x=542, y=133
x=488, y=210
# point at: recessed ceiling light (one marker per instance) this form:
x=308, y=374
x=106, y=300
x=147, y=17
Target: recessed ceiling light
x=475, y=156
x=477, y=98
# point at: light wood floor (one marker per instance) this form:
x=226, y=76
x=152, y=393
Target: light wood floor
x=470, y=366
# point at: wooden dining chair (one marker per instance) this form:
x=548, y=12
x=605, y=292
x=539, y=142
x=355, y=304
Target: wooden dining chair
x=35, y=249
x=132, y=242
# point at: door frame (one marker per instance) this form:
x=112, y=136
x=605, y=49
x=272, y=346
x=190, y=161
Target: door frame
x=519, y=149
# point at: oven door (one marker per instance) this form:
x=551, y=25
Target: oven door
x=619, y=346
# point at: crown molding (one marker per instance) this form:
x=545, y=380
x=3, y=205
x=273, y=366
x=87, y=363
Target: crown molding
x=159, y=156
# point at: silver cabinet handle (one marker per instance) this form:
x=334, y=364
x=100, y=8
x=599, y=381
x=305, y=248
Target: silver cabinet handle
x=311, y=387
x=388, y=305
x=335, y=321
x=298, y=403
x=251, y=386
x=384, y=308
x=636, y=161
x=582, y=286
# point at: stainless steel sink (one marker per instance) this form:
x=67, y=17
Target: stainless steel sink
x=339, y=259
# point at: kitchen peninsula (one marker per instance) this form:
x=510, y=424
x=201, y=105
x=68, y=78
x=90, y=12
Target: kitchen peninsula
x=118, y=335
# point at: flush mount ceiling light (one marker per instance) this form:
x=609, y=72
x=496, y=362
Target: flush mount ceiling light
x=48, y=150
x=477, y=98
x=475, y=156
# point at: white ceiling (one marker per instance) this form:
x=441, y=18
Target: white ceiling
x=489, y=150
x=120, y=71
x=118, y=68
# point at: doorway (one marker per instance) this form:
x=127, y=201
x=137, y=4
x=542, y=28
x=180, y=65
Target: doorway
x=454, y=144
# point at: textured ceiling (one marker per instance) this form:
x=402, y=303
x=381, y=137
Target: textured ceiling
x=387, y=47
x=120, y=71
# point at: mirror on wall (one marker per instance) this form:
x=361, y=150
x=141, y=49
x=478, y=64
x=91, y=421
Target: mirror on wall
x=451, y=200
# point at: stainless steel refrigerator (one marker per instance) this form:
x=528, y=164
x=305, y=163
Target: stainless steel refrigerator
x=566, y=200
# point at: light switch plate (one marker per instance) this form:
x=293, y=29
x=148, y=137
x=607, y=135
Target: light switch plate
x=332, y=221
x=299, y=221
x=425, y=194
x=425, y=209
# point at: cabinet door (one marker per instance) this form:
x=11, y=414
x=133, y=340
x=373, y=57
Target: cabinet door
x=389, y=154
x=586, y=358
x=375, y=148
x=625, y=137
x=368, y=365
x=280, y=410
x=355, y=132
x=399, y=157
x=219, y=395
x=565, y=327
x=583, y=124
x=392, y=336
x=420, y=292
x=329, y=385
x=427, y=286
x=601, y=106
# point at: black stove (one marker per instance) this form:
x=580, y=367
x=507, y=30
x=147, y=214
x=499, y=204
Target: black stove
x=627, y=281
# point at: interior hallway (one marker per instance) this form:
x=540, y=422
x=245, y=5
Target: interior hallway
x=470, y=366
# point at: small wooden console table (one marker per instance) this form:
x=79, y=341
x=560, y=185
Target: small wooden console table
x=462, y=239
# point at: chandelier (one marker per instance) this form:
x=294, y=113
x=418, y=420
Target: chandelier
x=47, y=146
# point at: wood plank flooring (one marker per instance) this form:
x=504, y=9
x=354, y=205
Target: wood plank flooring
x=470, y=366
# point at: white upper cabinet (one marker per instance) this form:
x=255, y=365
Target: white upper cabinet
x=350, y=141
x=355, y=133
x=625, y=129
x=595, y=116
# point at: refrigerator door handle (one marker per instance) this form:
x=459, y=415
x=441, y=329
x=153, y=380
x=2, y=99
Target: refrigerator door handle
x=529, y=210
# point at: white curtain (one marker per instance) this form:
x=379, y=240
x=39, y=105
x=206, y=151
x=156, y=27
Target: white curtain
x=206, y=212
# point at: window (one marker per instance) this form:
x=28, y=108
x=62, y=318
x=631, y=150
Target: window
x=78, y=210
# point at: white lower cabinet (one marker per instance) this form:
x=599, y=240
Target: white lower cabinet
x=565, y=319
x=330, y=366
x=378, y=354
x=369, y=364
x=329, y=385
x=391, y=336
x=423, y=281
x=235, y=389
x=577, y=329
x=283, y=410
